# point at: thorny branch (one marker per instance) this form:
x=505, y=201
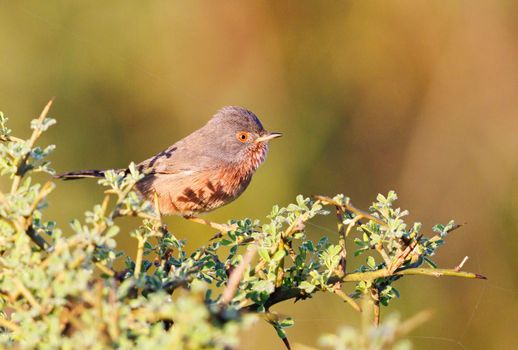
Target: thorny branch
x=392, y=269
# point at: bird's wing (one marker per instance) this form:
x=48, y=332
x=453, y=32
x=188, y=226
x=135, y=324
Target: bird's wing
x=183, y=156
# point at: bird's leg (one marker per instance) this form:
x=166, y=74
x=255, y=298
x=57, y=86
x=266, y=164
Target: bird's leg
x=157, y=205
x=214, y=225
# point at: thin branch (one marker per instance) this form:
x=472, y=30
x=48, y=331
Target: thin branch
x=10, y=138
x=30, y=144
x=283, y=294
x=42, y=194
x=415, y=321
x=13, y=327
x=347, y=206
x=35, y=237
x=340, y=293
x=359, y=215
x=113, y=325
x=236, y=276
x=375, y=296
x=27, y=295
x=459, y=267
x=70, y=243
x=101, y=226
x=280, y=267
x=98, y=305
x=379, y=248
x=105, y=269
x=372, y=275
x=352, y=224
x=38, y=240
x=140, y=253
x=296, y=225
x=401, y=257
x=342, y=240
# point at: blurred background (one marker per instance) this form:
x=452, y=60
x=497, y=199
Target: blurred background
x=416, y=96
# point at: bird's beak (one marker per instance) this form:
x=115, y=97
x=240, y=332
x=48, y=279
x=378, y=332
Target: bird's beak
x=269, y=136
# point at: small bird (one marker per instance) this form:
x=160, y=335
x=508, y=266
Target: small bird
x=205, y=170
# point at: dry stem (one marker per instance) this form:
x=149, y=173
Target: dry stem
x=236, y=276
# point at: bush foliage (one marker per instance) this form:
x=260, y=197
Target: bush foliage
x=59, y=288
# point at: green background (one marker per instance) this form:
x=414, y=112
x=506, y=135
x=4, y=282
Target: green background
x=416, y=96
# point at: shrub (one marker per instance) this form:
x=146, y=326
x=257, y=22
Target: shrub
x=59, y=287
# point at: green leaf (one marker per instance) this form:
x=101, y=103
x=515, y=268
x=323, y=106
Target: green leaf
x=430, y=262
x=279, y=255
x=286, y=322
x=263, y=253
x=112, y=231
x=307, y=287
x=371, y=262
x=264, y=286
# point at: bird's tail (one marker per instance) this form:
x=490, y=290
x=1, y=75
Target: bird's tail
x=81, y=174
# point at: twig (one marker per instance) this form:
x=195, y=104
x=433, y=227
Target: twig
x=342, y=240
x=381, y=250
x=100, y=227
x=409, y=325
x=351, y=208
x=352, y=224
x=106, y=270
x=372, y=275
x=30, y=143
x=35, y=237
x=13, y=327
x=27, y=295
x=283, y=294
x=140, y=253
x=10, y=138
x=296, y=225
x=291, y=251
x=113, y=326
x=366, y=320
x=359, y=215
x=76, y=262
x=375, y=296
x=38, y=240
x=44, y=192
x=98, y=303
x=70, y=243
x=459, y=267
x=401, y=257
x=141, y=215
x=340, y=293
x=104, y=205
x=280, y=267
x=236, y=276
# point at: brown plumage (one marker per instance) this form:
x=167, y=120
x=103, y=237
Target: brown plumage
x=205, y=170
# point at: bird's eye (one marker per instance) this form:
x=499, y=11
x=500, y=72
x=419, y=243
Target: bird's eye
x=242, y=136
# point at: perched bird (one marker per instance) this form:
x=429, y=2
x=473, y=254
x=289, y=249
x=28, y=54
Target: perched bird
x=205, y=170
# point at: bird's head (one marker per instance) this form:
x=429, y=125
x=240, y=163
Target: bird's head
x=240, y=136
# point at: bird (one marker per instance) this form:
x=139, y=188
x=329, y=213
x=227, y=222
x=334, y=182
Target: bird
x=205, y=170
